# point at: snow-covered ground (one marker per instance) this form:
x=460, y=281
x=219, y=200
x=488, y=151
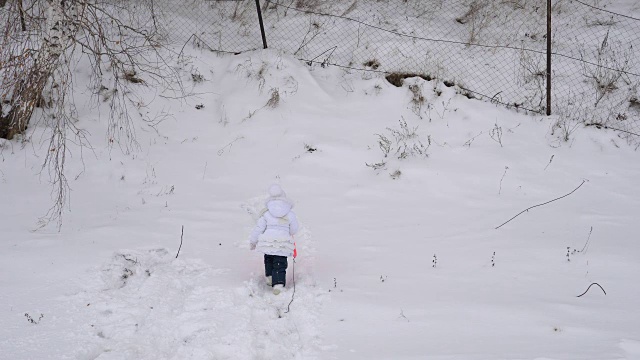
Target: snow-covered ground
x=399, y=262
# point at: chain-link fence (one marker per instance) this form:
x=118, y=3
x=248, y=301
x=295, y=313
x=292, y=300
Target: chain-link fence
x=465, y=43
x=226, y=26
x=595, y=74
x=496, y=50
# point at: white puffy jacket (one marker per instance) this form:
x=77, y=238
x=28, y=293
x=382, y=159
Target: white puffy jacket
x=273, y=235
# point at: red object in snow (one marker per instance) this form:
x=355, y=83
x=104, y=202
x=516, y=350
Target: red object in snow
x=295, y=250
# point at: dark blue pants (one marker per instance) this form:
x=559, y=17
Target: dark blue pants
x=276, y=267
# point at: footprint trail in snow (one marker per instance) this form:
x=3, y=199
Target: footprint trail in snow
x=146, y=304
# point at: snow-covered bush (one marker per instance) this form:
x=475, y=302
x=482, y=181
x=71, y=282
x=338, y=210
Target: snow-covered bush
x=400, y=143
x=611, y=64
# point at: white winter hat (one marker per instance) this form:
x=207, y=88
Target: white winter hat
x=276, y=193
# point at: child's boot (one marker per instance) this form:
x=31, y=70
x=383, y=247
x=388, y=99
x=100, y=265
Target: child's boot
x=277, y=289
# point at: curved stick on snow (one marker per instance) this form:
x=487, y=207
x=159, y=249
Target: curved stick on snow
x=181, y=235
x=590, y=288
x=529, y=208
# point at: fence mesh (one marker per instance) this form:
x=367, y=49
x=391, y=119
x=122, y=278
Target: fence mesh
x=595, y=71
x=226, y=26
x=491, y=49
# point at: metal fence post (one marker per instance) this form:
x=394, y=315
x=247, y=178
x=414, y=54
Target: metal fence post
x=264, y=37
x=548, y=57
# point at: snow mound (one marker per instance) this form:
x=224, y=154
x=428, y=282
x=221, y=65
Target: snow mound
x=149, y=305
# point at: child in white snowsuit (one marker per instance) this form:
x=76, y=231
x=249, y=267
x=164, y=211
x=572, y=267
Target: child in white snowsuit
x=273, y=236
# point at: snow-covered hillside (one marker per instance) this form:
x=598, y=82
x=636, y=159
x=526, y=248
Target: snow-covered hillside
x=396, y=261
x=495, y=50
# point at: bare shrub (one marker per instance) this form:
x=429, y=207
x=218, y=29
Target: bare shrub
x=384, y=144
x=417, y=99
x=478, y=17
x=569, y=116
x=274, y=98
x=315, y=28
x=254, y=72
x=532, y=76
x=406, y=142
x=564, y=128
x=611, y=64
x=197, y=77
x=377, y=166
x=496, y=133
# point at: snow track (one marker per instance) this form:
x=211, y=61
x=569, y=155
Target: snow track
x=149, y=305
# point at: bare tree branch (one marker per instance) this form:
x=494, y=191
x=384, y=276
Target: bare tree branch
x=41, y=43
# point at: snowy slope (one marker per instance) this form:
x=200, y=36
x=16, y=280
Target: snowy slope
x=109, y=285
